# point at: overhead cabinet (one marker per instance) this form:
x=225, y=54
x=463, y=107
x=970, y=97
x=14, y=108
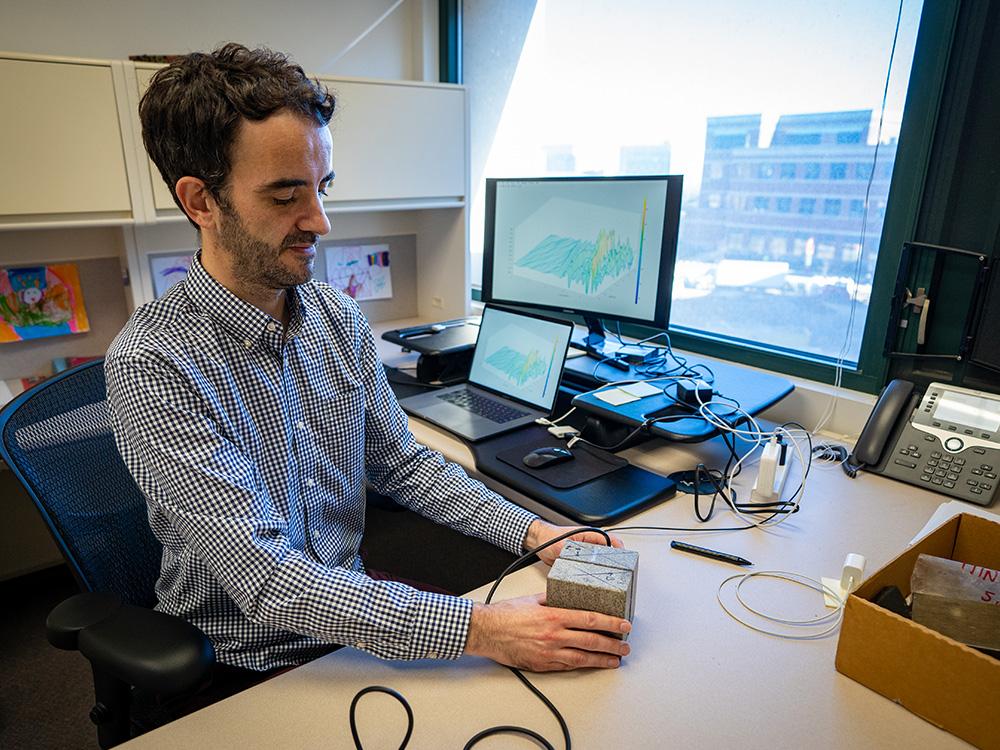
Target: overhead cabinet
x=61, y=146
x=397, y=141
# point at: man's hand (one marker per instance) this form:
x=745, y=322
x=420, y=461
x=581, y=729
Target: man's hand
x=524, y=633
x=541, y=531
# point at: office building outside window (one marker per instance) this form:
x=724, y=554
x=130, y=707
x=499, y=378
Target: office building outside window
x=787, y=157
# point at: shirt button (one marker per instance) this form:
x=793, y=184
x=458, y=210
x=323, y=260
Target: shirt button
x=272, y=327
x=300, y=425
x=248, y=343
x=316, y=534
x=432, y=654
x=310, y=482
x=361, y=645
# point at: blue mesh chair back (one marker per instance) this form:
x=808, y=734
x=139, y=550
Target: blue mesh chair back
x=56, y=437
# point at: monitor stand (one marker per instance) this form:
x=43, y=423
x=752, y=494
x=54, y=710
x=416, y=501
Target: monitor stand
x=593, y=342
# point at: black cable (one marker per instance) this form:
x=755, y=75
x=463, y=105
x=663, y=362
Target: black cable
x=682, y=528
x=506, y=728
x=517, y=673
x=388, y=691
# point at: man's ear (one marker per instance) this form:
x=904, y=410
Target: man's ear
x=198, y=203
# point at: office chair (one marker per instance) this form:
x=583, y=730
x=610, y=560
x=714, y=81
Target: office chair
x=57, y=439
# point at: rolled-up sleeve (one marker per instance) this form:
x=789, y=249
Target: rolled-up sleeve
x=216, y=500
x=420, y=478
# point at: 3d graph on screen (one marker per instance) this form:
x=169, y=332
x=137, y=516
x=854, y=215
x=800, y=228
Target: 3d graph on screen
x=519, y=367
x=582, y=262
x=583, y=247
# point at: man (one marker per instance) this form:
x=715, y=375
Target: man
x=251, y=407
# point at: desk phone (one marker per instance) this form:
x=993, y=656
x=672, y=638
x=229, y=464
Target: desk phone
x=946, y=440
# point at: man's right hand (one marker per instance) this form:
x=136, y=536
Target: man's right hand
x=524, y=633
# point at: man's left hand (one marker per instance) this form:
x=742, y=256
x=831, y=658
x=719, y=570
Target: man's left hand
x=539, y=532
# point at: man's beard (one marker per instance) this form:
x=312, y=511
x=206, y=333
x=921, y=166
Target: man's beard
x=257, y=263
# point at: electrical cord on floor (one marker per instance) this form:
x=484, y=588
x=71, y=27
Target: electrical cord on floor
x=504, y=728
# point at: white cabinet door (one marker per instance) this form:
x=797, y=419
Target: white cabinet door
x=162, y=200
x=60, y=142
x=397, y=141
x=391, y=142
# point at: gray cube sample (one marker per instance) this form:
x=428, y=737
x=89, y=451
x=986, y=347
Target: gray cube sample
x=594, y=577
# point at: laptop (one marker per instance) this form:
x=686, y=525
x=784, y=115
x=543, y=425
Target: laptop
x=514, y=378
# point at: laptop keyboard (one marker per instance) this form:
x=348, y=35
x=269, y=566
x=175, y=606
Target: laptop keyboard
x=483, y=406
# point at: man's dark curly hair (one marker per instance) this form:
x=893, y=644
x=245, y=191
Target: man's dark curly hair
x=192, y=110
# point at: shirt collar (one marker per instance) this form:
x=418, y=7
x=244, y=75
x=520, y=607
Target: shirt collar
x=248, y=324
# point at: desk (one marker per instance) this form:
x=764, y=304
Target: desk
x=695, y=678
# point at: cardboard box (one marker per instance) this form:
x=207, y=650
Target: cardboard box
x=941, y=680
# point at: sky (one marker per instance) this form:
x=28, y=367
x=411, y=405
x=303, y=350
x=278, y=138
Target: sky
x=601, y=74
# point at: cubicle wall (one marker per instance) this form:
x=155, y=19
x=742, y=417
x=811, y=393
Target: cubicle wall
x=78, y=187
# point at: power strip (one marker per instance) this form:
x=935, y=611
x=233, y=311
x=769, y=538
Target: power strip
x=771, y=474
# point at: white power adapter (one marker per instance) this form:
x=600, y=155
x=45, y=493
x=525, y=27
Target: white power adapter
x=771, y=473
x=563, y=431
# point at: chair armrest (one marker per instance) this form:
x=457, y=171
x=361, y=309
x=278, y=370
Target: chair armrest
x=151, y=650
x=67, y=619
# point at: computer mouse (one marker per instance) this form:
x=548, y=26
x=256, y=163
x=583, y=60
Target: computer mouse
x=547, y=456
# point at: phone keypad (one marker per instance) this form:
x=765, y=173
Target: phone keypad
x=943, y=469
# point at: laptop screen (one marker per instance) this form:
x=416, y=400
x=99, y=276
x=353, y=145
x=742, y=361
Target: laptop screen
x=520, y=356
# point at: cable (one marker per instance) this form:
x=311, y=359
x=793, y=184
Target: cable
x=792, y=577
x=506, y=728
x=388, y=691
x=858, y=264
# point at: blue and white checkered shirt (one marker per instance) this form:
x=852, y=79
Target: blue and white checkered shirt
x=252, y=445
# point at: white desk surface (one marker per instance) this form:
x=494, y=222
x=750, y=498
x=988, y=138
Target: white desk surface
x=695, y=677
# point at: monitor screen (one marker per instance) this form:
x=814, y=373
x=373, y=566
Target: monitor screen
x=600, y=247
x=520, y=355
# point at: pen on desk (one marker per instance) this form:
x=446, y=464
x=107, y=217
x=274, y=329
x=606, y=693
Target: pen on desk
x=714, y=554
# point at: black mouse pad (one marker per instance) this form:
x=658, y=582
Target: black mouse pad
x=587, y=463
x=599, y=488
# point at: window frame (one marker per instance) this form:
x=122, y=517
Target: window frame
x=935, y=38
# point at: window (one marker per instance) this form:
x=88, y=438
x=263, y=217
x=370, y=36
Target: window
x=857, y=207
x=863, y=170
x=775, y=120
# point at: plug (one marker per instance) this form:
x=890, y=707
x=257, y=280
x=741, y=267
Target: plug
x=694, y=392
x=771, y=473
x=634, y=354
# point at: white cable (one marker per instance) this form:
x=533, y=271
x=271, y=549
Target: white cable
x=791, y=577
x=357, y=40
x=553, y=422
x=759, y=438
x=858, y=265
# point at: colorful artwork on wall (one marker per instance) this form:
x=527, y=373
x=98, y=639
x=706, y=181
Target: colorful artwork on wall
x=40, y=301
x=362, y=271
x=167, y=270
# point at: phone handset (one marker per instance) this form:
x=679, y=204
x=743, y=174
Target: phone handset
x=874, y=438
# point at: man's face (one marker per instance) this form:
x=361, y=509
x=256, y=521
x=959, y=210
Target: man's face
x=272, y=210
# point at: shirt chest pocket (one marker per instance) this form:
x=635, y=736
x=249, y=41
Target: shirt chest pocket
x=339, y=417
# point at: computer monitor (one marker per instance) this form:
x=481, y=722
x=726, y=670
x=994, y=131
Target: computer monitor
x=599, y=247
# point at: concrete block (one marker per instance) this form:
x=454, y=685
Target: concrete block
x=594, y=577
